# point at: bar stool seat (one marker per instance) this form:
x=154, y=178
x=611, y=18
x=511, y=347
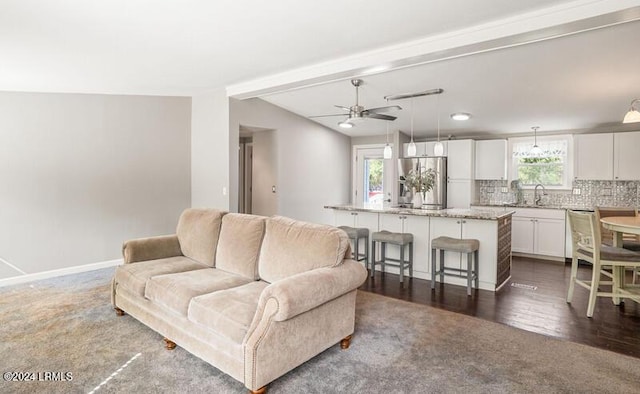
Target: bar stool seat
x=402, y=240
x=468, y=246
x=392, y=238
x=456, y=244
x=355, y=234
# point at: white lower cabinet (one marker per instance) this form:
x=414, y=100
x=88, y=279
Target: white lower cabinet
x=418, y=226
x=538, y=231
x=485, y=231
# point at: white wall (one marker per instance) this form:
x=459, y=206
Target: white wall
x=313, y=162
x=81, y=173
x=210, y=158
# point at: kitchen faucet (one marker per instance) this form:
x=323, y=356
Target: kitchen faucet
x=538, y=198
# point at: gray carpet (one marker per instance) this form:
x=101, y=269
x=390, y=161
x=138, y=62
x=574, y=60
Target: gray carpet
x=67, y=325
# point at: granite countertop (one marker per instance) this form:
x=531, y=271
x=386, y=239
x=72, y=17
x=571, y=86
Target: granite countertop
x=550, y=206
x=473, y=213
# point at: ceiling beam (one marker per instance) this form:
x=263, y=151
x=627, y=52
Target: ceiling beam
x=545, y=24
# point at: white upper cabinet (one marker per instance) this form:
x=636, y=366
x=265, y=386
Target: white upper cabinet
x=461, y=159
x=491, y=159
x=612, y=156
x=593, y=156
x=431, y=144
x=626, y=157
x=421, y=149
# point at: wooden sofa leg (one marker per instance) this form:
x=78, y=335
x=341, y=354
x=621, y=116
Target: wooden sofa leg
x=345, y=342
x=169, y=344
x=119, y=312
x=261, y=390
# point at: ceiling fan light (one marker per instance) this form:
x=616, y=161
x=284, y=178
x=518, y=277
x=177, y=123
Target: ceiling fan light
x=438, y=149
x=412, y=149
x=388, y=152
x=346, y=124
x=460, y=116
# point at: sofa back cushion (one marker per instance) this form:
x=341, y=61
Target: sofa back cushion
x=291, y=247
x=239, y=245
x=198, y=231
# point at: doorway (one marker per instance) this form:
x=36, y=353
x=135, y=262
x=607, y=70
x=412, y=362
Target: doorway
x=245, y=174
x=373, y=176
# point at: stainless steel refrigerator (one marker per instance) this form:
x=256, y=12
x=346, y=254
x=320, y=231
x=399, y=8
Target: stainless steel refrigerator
x=436, y=198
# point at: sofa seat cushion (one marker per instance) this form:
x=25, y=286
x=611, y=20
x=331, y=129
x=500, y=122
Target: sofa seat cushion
x=175, y=291
x=228, y=312
x=134, y=276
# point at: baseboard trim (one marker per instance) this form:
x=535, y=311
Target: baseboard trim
x=15, y=280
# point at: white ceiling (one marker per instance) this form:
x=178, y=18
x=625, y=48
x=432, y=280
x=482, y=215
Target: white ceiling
x=578, y=82
x=188, y=47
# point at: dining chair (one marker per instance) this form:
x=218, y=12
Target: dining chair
x=588, y=246
x=629, y=241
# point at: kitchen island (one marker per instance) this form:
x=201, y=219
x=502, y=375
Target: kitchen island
x=492, y=227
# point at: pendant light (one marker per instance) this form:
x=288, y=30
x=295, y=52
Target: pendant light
x=536, y=150
x=411, y=149
x=388, y=152
x=633, y=115
x=438, y=148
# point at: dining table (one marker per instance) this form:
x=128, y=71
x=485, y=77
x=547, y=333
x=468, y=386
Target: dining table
x=620, y=225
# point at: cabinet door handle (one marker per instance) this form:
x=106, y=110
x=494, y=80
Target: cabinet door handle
x=464, y=221
x=457, y=221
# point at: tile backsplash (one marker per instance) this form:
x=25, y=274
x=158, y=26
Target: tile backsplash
x=585, y=194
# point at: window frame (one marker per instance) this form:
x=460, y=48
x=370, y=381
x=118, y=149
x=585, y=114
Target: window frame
x=568, y=164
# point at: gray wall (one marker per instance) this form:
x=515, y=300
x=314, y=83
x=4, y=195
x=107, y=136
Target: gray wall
x=81, y=173
x=312, y=160
x=210, y=154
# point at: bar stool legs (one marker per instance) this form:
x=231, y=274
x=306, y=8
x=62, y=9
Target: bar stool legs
x=402, y=240
x=467, y=246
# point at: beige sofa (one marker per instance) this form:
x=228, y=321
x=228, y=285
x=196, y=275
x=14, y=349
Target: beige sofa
x=253, y=296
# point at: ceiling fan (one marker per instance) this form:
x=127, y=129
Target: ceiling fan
x=358, y=112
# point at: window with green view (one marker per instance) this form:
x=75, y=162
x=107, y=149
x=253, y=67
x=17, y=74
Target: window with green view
x=550, y=168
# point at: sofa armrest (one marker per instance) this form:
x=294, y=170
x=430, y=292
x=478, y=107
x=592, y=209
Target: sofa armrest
x=152, y=248
x=307, y=290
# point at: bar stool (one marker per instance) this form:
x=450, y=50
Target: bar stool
x=356, y=233
x=468, y=246
x=400, y=239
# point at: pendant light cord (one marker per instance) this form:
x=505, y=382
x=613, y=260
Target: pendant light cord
x=387, y=126
x=438, y=115
x=411, y=119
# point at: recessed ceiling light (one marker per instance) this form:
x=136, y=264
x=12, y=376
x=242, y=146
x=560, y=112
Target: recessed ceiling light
x=345, y=124
x=460, y=116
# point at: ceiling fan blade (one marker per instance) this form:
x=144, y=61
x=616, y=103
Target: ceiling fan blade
x=343, y=107
x=378, y=110
x=322, y=116
x=379, y=116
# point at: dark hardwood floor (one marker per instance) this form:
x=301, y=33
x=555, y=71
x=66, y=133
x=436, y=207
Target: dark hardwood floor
x=543, y=310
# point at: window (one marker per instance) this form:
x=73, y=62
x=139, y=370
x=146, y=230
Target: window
x=373, y=181
x=552, y=168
